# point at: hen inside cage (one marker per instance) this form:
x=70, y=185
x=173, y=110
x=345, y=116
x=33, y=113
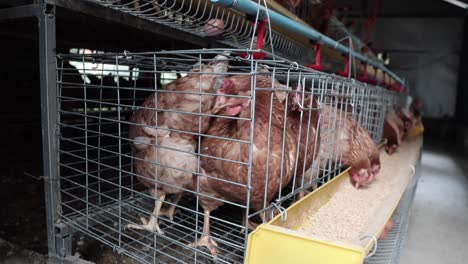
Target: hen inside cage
x=177, y=156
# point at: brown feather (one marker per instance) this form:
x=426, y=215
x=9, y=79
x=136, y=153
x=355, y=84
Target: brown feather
x=279, y=174
x=143, y=129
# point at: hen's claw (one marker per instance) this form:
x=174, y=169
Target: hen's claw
x=206, y=241
x=150, y=225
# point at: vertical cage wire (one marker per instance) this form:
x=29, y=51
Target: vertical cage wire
x=131, y=123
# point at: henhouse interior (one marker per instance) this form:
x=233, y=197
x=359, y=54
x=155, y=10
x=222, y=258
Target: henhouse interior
x=234, y=131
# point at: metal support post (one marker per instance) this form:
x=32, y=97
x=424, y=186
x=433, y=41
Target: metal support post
x=59, y=240
x=59, y=243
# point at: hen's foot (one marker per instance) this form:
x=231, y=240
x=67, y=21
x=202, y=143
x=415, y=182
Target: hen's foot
x=208, y=242
x=150, y=225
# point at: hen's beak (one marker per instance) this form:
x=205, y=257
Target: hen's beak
x=218, y=106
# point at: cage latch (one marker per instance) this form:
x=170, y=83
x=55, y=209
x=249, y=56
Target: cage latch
x=282, y=211
x=374, y=248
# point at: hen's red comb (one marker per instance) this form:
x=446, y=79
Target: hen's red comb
x=227, y=87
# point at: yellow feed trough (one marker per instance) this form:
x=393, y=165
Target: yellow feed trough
x=417, y=130
x=336, y=223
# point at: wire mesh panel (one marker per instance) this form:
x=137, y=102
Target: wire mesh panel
x=175, y=156
x=351, y=121
x=394, y=101
x=373, y=110
x=205, y=19
x=151, y=143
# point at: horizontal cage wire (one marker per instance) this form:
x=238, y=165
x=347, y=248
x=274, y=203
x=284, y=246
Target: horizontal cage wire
x=205, y=19
x=175, y=156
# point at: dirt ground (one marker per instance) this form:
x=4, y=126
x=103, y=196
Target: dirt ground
x=23, y=208
x=14, y=254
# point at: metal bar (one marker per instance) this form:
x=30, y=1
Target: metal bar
x=47, y=61
x=251, y=8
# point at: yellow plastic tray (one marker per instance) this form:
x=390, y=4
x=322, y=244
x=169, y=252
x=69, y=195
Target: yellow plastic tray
x=417, y=130
x=279, y=242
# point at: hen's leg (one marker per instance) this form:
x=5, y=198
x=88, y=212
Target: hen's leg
x=310, y=176
x=206, y=240
x=152, y=224
x=251, y=225
x=170, y=212
x=300, y=195
x=303, y=193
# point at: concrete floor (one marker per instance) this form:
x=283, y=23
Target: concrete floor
x=438, y=231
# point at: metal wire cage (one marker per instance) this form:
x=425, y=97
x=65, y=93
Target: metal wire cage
x=394, y=101
x=187, y=138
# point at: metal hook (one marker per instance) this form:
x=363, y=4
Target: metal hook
x=295, y=65
x=375, y=245
x=299, y=103
x=281, y=210
x=249, y=56
x=269, y=29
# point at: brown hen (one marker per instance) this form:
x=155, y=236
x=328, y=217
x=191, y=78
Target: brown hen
x=173, y=130
x=343, y=138
x=226, y=178
x=393, y=131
